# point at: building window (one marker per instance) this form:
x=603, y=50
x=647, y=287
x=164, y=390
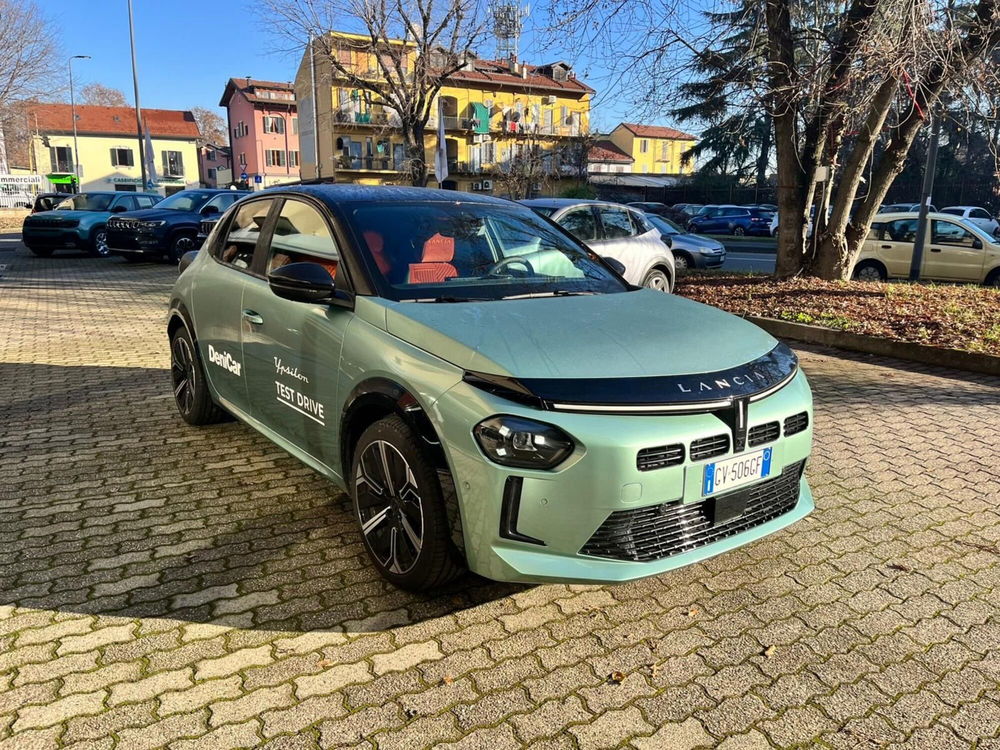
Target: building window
x=122, y=157
x=211, y=174
x=644, y=146
x=209, y=154
x=295, y=126
x=243, y=159
x=62, y=158
x=274, y=124
x=173, y=164
x=293, y=158
x=240, y=130
x=274, y=157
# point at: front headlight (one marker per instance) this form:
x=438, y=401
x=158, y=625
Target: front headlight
x=522, y=443
x=153, y=224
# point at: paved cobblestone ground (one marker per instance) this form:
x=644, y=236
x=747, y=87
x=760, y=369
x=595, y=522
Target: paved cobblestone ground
x=162, y=585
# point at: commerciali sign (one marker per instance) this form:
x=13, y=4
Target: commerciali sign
x=21, y=179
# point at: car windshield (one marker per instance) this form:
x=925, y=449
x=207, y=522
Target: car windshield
x=86, y=202
x=664, y=225
x=453, y=252
x=186, y=200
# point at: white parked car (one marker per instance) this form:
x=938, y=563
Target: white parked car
x=615, y=231
x=978, y=216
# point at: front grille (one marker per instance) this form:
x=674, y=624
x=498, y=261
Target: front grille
x=708, y=447
x=796, y=423
x=660, y=531
x=206, y=227
x=763, y=433
x=656, y=458
x=125, y=224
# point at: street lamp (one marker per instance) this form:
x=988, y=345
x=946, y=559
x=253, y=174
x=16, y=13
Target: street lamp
x=72, y=104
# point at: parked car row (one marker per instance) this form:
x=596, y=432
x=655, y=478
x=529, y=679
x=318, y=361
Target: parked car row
x=134, y=225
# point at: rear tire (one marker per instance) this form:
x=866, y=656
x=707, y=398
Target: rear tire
x=993, y=278
x=41, y=252
x=871, y=271
x=400, y=508
x=739, y=231
x=190, y=386
x=658, y=280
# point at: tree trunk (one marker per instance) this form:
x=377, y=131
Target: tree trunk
x=764, y=156
x=416, y=156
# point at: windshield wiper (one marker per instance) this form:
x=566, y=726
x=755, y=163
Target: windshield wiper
x=449, y=298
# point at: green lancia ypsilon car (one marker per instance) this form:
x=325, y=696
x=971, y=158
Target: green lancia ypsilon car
x=489, y=392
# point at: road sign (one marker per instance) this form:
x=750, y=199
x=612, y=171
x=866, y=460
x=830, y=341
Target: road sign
x=243, y=175
x=257, y=178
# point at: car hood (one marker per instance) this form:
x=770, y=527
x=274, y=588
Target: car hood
x=637, y=334
x=694, y=241
x=60, y=215
x=156, y=214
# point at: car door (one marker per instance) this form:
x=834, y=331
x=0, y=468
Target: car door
x=292, y=349
x=217, y=299
x=894, y=245
x=123, y=203
x=618, y=241
x=952, y=253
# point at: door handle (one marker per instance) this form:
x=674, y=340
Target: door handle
x=253, y=317
x=887, y=247
x=935, y=249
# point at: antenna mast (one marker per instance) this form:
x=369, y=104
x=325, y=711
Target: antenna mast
x=508, y=20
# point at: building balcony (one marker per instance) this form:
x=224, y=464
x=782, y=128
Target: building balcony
x=367, y=164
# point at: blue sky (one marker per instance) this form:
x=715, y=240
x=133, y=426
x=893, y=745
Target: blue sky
x=188, y=49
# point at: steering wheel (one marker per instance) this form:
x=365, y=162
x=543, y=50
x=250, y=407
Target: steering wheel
x=500, y=266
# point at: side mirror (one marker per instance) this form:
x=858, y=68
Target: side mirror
x=186, y=260
x=119, y=209
x=616, y=264
x=209, y=210
x=667, y=240
x=308, y=282
x=977, y=243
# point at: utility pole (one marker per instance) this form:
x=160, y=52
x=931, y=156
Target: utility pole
x=925, y=198
x=72, y=108
x=135, y=87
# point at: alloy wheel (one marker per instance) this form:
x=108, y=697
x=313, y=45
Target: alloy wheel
x=101, y=243
x=389, y=507
x=681, y=262
x=869, y=273
x=184, y=244
x=657, y=280
x=184, y=373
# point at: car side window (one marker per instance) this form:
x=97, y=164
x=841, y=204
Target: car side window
x=978, y=213
x=616, y=222
x=952, y=211
x=144, y=201
x=580, y=222
x=946, y=233
x=125, y=201
x=237, y=248
x=222, y=201
x=901, y=230
x=301, y=235
x=877, y=232
x=640, y=222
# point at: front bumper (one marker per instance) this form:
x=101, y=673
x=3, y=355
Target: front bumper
x=701, y=260
x=559, y=513
x=135, y=243
x=55, y=237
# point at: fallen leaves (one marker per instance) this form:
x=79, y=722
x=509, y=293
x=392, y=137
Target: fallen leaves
x=616, y=678
x=769, y=651
x=948, y=316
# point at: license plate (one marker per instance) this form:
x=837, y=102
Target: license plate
x=735, y=472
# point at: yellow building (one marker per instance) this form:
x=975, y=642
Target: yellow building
x=492, y=110
x=109, y=155
x=654, y=150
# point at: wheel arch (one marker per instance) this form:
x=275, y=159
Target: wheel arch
x=992, y=275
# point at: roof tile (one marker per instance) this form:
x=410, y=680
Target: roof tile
x=94, y=120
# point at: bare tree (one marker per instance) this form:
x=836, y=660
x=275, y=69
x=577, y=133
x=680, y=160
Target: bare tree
x=27, y=46
x=526, y=170
x=400, y=52
x=102, y=96
x=848, y=86
x=212, y=126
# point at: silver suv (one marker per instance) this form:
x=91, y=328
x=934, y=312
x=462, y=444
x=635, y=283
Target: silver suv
x=617, y=232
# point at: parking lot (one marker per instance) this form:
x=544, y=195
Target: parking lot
x=162, y=585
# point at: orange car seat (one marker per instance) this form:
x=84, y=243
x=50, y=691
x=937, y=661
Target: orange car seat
x=376, y=246
x=435, y=265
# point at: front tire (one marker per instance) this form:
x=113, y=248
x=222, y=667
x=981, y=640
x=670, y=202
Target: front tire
x=99, y=242
x=682, y=262
x=658, y=280
x=400, y=508
x=191, y=394
x=179, y=245
x=871, y=271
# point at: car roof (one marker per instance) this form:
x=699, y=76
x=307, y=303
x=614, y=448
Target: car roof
x=385, y=194
x=966, y=208
x=215, y=190
x=892, y=215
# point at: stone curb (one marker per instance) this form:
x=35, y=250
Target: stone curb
x=928, y=355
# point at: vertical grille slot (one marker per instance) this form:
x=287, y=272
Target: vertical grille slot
x=656, y=458
x=709, y=447
x=796, y=423
x=763, y=433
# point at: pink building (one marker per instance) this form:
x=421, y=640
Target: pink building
x=263, y=131
x=214, y=165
